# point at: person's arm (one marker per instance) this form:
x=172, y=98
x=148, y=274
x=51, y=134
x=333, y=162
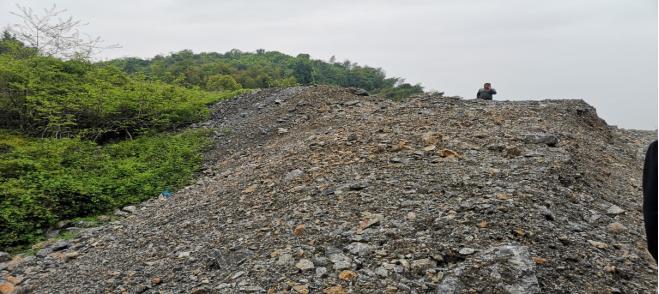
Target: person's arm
x=492, y=91
x=478, y=94
x=650, y=198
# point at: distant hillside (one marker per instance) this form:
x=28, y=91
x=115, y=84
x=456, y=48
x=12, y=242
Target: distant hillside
x=263, y=69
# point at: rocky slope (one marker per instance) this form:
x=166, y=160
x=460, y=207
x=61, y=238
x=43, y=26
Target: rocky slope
x=317, y=190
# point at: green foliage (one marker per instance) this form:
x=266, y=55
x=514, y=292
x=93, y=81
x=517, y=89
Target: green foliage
x=46, y=180
x=403, y=90
x=262, y=69
x=222, y=83
x=49, y=97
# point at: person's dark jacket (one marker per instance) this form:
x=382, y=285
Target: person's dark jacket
x=650, y=198
x=486, y=94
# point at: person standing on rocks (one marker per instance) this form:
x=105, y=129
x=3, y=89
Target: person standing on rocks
x=486, y=92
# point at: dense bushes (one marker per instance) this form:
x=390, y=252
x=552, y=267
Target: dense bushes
x=45, y=180
x=48, y=97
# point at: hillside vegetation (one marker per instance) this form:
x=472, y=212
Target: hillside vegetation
x=79, y=138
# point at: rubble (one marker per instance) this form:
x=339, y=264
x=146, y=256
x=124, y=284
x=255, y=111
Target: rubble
x=316, y=189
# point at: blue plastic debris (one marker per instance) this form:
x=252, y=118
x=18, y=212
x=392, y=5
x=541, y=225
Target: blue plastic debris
x=166, y=193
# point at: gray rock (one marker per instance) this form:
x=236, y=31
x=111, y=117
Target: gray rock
x=467, y=251
x=382, y=272
x=358, y=185
x=420, y=266
x=351, y=103
x=60, y=245
x=544, y=211
x=615, y=210
x=340, y=261
x=358, y=248
x=541, y=138
x=294, y=174
x=358, y=91
x=4, y=257
x=119, y=212
x=321, y=272
x=44, y=252
x=503, y=269
x=130, y=209
x=285, y=259
x=304, y=264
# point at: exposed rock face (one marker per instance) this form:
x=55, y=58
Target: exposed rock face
x=365, y=195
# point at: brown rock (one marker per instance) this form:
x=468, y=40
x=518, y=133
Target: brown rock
x=298, y=230
x=6, y=288
x=446, y=153
x=502, y=196
x=155, y=281
x=430, y=138
x=616, y=228
x=347, y=275
x=302, y=289
x=538, y=260
x=598, y=245
x=250, y=189
x=483, y=224
x=338, y=289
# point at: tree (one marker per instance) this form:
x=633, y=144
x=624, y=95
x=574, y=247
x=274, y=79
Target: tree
x=54, y=35
x=222, y=83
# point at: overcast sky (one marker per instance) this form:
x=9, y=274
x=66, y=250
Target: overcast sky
x=604, y=52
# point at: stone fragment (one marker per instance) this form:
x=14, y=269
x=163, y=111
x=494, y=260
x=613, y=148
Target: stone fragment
x=541, y=138
x=421, y=265
x=340, y=261
x=285, y=259
x=298, y=230
x=294, y=174
x=370, y=219
x=4, y=257
x=304, y=264
x=616, y=228
x=446, y=153
x=130, y=209
x=338, y=289
x=347, y=275
x=301, y=289
x=615, y=210
x=321, y=272
x=430, y=138
x=6, y=288
x=467, y=251
x=598, y=245
x=359, y=248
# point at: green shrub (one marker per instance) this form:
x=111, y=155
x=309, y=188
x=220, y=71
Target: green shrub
x=46, y=180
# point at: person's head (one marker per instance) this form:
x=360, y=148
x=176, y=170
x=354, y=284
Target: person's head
x=487, y=86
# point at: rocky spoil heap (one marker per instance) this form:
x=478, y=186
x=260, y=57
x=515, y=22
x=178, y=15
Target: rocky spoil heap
x=317, y=190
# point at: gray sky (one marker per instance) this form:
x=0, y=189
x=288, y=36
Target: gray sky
x=602, y=51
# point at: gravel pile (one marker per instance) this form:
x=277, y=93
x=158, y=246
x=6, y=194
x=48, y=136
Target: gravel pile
x=318, y=190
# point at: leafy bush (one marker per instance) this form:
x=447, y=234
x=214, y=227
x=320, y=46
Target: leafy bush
x=46, y=180
x=48, y=97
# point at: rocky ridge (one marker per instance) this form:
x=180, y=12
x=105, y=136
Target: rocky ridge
x=318, y=190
